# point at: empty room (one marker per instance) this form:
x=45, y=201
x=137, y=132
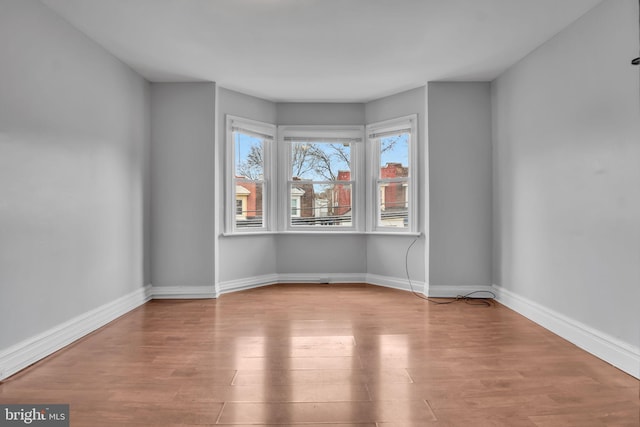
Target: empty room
x=372, y=213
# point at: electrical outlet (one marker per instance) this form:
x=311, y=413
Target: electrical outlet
x=324, y=280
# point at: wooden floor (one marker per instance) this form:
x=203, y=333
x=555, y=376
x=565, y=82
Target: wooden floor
x=318, y=355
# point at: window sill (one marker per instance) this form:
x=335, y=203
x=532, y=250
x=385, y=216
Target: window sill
x=393, y=233
x=249, y=234
x=323, y=233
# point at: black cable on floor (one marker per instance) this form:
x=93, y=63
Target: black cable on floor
x=467, y=298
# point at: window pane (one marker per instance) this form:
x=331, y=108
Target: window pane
x=321, y=204
x=394, y=156
x=393, y=209
x=249, y=156
x=321, y=161
x=248, y=204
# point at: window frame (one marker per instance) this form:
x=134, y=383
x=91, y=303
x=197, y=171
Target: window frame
x=268, y=132
x=410, y=123
x=355, y=135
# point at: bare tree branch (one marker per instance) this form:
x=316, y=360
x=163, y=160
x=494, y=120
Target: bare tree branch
x=323, y=160
x=388, y=143
x=253, y=166
x=302, y=160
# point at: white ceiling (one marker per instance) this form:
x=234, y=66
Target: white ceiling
x=320, y=50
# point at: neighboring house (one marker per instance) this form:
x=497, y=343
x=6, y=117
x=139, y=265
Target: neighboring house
x=394, y=196
x=333, y=205
x=242, y=201
x=248, y=203
x=296, y=202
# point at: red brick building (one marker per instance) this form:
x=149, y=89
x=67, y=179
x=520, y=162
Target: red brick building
x=394, y=195
x=248, y=201
x=336, y=202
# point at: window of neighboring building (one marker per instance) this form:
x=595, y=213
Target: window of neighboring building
x=240, y=208
x=319, y=178
x=249, y=145
x=393, y=192
x=296, y=197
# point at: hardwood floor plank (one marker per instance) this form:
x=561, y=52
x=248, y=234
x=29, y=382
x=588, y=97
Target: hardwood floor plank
x=321, y=376
x=332, y=355
x=288, y=393
x=328, y=412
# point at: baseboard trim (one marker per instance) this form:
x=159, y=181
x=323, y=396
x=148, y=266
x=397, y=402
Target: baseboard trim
x=439, y=291
x=184, y=292
x=396, y=283
x=271, y=279
x=29, y=351
x=321, y=278
x=246, y=283
x=606, y=347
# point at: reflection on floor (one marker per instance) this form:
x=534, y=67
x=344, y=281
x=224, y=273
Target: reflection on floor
x=327, y=355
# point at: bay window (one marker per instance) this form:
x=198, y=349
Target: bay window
x=249, y=146
x=319, y=177
x=393, y=175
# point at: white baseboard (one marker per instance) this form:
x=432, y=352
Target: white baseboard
x=610, y=349
x=247, y=283
x=183, y=292
x=270, y=279
x=29, y=351
x=439, y=291
x=321, y=278
x=396, y=283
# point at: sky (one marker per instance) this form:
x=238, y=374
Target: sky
x=397, y=153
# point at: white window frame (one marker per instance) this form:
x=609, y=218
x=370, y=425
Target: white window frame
x=327, y=133
x=268, y=132
x=374, y=131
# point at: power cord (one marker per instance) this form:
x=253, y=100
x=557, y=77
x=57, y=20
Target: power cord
x=467, y=298
x=636, y=61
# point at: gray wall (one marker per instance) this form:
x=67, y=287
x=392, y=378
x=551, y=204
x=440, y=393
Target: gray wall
x=567, y=156
x=74, y=141
x=311, y=113
x=386, y=254
x=182, y=194
x=242, y=257
x=309, y=254
x=321, y=254
x=460, y=184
